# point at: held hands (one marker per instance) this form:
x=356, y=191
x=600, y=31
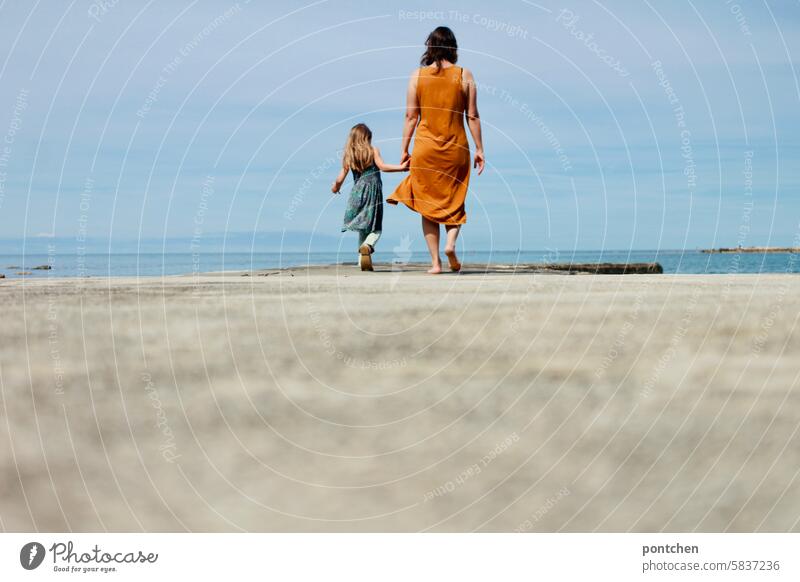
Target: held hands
x=405, y=161
x=479, y=161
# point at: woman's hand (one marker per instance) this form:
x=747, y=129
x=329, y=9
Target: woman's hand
x=405, y=159
x=336, y=187
x=479, y=161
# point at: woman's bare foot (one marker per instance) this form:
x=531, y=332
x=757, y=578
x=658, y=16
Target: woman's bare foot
x=455, y=265
x=435, y=269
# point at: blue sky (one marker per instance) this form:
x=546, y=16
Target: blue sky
x=606, y=125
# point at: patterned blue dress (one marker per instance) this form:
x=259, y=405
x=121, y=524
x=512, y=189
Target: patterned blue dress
x=364, y=211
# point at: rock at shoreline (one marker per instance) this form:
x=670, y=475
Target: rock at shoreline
x=42, y=268
x=12, y=267
x=752, y=250
x=24, y=273
x=604, y=268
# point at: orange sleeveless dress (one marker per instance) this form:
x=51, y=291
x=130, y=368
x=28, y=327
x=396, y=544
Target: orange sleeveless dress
x=436, y=185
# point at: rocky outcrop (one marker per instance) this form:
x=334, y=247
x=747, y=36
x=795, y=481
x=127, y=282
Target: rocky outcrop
x=761, y=250
x=604, y=268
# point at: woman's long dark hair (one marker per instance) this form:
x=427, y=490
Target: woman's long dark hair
x=441, y=46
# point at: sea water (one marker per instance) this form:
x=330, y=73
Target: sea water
x=177, y=263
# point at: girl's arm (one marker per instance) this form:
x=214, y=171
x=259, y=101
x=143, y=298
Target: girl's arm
x=384, y=167
x=412, y=116
x=337, y=184
x=474, y=119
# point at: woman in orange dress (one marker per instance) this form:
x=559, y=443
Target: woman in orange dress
x=440, y=95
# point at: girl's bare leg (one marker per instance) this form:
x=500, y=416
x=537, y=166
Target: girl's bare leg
x=431, y=231
x=450, y=246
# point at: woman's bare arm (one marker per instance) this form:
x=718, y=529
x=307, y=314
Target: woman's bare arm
x=474, y=119
x=383, y=166
x=412, y=116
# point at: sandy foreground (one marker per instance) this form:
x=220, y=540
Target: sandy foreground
x=333, y=400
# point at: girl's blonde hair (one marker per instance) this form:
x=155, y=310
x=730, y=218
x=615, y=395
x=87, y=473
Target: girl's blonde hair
x=358, y=148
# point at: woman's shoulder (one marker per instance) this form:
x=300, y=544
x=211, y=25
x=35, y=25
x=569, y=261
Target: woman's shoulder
x=413, y=78
x=467, y=80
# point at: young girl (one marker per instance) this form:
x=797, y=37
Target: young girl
x=364, y=212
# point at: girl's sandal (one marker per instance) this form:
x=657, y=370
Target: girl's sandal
x=365, y=260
